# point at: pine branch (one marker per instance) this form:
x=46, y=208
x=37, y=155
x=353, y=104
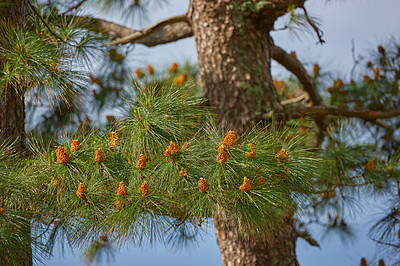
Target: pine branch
x=150, y=29
x=32, y=7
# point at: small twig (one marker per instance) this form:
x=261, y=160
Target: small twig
x=384, y=243
x=48, y=27
x=319, y=32
x=75, y=6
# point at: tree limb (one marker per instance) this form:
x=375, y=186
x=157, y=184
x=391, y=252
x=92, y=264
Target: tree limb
x=341, y=111
x=297, y=68
x=150, y=29
x=172, y=33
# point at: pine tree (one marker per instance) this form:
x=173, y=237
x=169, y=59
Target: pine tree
x=138, y=177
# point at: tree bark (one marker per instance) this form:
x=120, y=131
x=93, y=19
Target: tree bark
x=234, y=61
x=12, y=106
x=234, y=55
x=12, y=118
x=280, y=249
x=12, y=113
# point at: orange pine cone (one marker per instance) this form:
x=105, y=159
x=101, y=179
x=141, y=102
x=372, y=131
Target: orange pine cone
x=338, y=84
x=99, y=157
x=183, y=173
x=203, y=185
x=139, y=73
x=113, y=139
x=230, y=138
x=316, y=70
x=141, y=163
x=122, y=191
x=363, y=262
x=181, y=79
x=283, y=154
x=367, y=79
x=75, y=145
x=82, y=191
x=150, y=69
x=370, y=166
x=172, y=151
x=185, y=145
x=2, y=210
x=56, y=183
x=173, y=68
x=246, y=185
x=119, y=205
x=251, y=152
x=222, y=153
x=144, y=189
x=377, y=72
x=62, y=155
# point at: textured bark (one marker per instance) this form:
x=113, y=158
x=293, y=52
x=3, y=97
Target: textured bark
x=278, y=250
x=12, y=107
x=234, y=61
x=12, y=118
x=234, y=54
x=12, y=110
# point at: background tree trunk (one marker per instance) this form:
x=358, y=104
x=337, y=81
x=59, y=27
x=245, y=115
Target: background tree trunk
x=234, y=57
x=12, y=106
x=12, y=118
x=12, y=110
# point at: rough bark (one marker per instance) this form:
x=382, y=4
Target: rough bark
x=12, y=107
x=12, y=110
x=234, y=55
x=277, y=250
x=12, y=118
x=234, y=62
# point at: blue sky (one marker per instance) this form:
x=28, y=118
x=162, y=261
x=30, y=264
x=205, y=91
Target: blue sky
x=368, y=23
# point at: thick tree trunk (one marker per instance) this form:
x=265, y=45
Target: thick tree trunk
x=234, y=61
x=12, y=118
x=12, y=106
x=234, y=57
x=277, y=250
x=12, y=112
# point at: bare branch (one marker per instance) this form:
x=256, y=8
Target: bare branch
x=295, y=100
x=149, y=30
x=341, y=111
x=297, y=68
x=172, y=33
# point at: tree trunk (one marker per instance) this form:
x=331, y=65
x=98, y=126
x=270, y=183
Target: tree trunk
x=12, y=118
x=12, y=112
x=234, y=61
x=278, y=250
x=12, y=106
x=234, y=58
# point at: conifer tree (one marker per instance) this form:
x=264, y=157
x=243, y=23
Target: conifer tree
x=167, y=152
